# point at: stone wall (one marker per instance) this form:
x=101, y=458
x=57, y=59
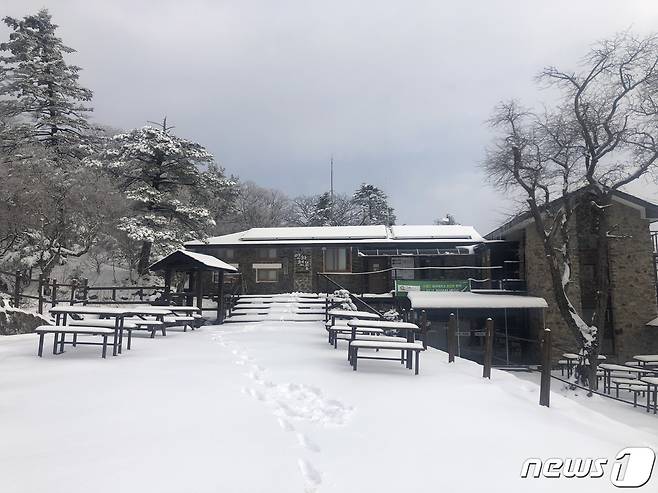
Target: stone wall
x=632, y=283
x=632, y=277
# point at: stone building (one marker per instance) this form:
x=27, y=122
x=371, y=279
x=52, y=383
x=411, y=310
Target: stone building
x=632, y=273
x=362, y=259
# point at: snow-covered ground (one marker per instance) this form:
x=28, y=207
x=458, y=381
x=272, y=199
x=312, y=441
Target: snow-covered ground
x=271, y=407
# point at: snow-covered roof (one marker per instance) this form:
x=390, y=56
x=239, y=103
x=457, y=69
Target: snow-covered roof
x=377, y=234
x=457, y=300
x=433, y=232
x=201, y=258
x=316, y=233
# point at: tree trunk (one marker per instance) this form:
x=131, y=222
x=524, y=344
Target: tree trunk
x=601, y=283
x=144, y=258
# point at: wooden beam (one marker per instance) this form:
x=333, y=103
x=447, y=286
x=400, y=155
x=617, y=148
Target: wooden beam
x=199, y=289
x=220, y=297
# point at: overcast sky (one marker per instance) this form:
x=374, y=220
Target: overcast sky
x=397, y=91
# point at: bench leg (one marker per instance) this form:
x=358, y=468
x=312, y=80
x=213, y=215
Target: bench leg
x=409, y=359
x=104, y=346
x=164, y=331
x=120, y=340
x=41, y=336
x=355, y=357
x=417, y=360
x=56, y=342
x=115, y=342
x=130, y=338
x=75, y=339
x=61, y=343
x=153, y=333
x=402, y=356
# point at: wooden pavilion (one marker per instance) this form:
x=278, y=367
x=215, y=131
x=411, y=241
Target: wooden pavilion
x=194, y=264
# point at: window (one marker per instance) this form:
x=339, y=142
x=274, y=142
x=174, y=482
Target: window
x=267, y=275
x=267, y=272
x=267, y=253
x=337, y=260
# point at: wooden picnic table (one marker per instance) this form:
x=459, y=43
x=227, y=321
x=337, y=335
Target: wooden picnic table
x=610, y=367
x=349, y=314
x=652, y=388
x=570, y=358
x=179, y=309
x=646, y=359
x=118, y=314
x=407, y=327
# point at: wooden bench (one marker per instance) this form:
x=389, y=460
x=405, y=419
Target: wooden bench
x=149, y=325
x=60, y=331
x=105, y=323
x=410, y=347
x=185, y=321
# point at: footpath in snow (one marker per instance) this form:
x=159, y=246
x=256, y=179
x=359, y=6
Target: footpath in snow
x=271, y=407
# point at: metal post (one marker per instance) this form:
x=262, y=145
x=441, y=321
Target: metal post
x=545, y=389
x=488, y=349
x=452, y=328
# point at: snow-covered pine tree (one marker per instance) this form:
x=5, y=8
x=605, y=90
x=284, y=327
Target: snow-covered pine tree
x=373, y=205
x=43, y=137
x=39, y=90
x=158, y=172
x=217, y=193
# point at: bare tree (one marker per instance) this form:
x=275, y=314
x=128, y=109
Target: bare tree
x=599, y=138
x=258, y=207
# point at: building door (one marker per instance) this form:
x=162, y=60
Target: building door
x=377, y=282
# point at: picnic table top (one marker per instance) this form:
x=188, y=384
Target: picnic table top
x=631, y=369
x=175, y=308
x=651, y=380
x=576, y=356
x=100, y=323
x=91, y=310
x=647, y=358
x=148, y=310
x=353, y=314
x=387, y=344
x=382, y=324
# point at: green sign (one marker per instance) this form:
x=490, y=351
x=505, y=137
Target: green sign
x=402, y=286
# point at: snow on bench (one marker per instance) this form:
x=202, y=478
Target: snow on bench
x=408, y=347
x=334, y=330
x=60, y=331
x=185, y=321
